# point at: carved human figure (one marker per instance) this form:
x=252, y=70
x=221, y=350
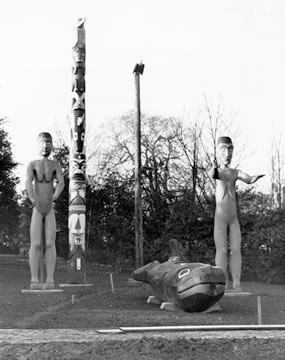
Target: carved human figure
x=226, y=219
x=44, y=184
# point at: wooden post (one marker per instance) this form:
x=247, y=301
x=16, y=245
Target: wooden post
x=138, y=70
x=259, y=313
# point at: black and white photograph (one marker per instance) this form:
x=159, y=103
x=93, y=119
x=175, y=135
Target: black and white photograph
x=142, y=179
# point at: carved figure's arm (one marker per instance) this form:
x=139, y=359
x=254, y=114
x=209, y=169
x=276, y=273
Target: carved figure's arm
x=29, y=182
x=247, y=178
x=60, y=183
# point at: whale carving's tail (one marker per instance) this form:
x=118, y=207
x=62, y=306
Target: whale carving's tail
x=141, y=274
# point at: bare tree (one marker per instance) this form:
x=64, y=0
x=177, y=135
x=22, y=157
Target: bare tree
x=189, y=138
x=277, y=172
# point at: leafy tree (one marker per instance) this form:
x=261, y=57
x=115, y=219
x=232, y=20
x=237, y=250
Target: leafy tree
x=61, y=155
x=23, y=233
x=9, y=209
x=263, y=231
x=110, y=220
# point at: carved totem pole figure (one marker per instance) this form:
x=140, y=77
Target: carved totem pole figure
x=226, y=226
x=40, y=184
x=77, y=167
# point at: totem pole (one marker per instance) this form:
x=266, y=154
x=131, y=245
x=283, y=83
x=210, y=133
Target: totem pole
x=77, y=167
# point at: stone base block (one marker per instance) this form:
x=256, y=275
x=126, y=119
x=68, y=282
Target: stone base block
x=169, y=306
x=232, y=292
x=41, y=289
x=75, y=285
x=153, y=300
x=214, y=308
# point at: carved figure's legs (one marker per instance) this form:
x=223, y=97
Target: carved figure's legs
x=235, y=257
x=50, y=253
x=221, y=238
x=36, y=229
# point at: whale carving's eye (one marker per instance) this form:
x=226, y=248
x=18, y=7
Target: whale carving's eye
x=183, y=273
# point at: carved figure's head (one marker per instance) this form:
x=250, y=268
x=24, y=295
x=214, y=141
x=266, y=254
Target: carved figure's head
x=225, y=150
x=44, y=141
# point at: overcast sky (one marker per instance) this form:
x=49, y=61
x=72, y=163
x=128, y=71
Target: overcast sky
x=229, y=49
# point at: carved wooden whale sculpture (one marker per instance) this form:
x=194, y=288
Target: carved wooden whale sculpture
x=192, y=287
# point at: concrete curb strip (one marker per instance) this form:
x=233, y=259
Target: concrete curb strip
x=28, y=336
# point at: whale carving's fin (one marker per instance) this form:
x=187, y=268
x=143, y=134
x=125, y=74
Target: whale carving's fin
x=176, y=252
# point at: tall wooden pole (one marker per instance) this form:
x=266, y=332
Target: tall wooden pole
x=77, y=167
x=138, y=70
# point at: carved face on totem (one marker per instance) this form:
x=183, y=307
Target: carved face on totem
x=225, y=150
x=44, y=144
x=78, y=167
x=79, y=60
x=78, y=84
x=78, y=54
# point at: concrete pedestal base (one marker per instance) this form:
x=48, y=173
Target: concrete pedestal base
x=41, y=288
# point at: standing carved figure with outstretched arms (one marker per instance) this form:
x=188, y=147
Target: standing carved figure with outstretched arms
x=40, y=185
x=226, y=219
